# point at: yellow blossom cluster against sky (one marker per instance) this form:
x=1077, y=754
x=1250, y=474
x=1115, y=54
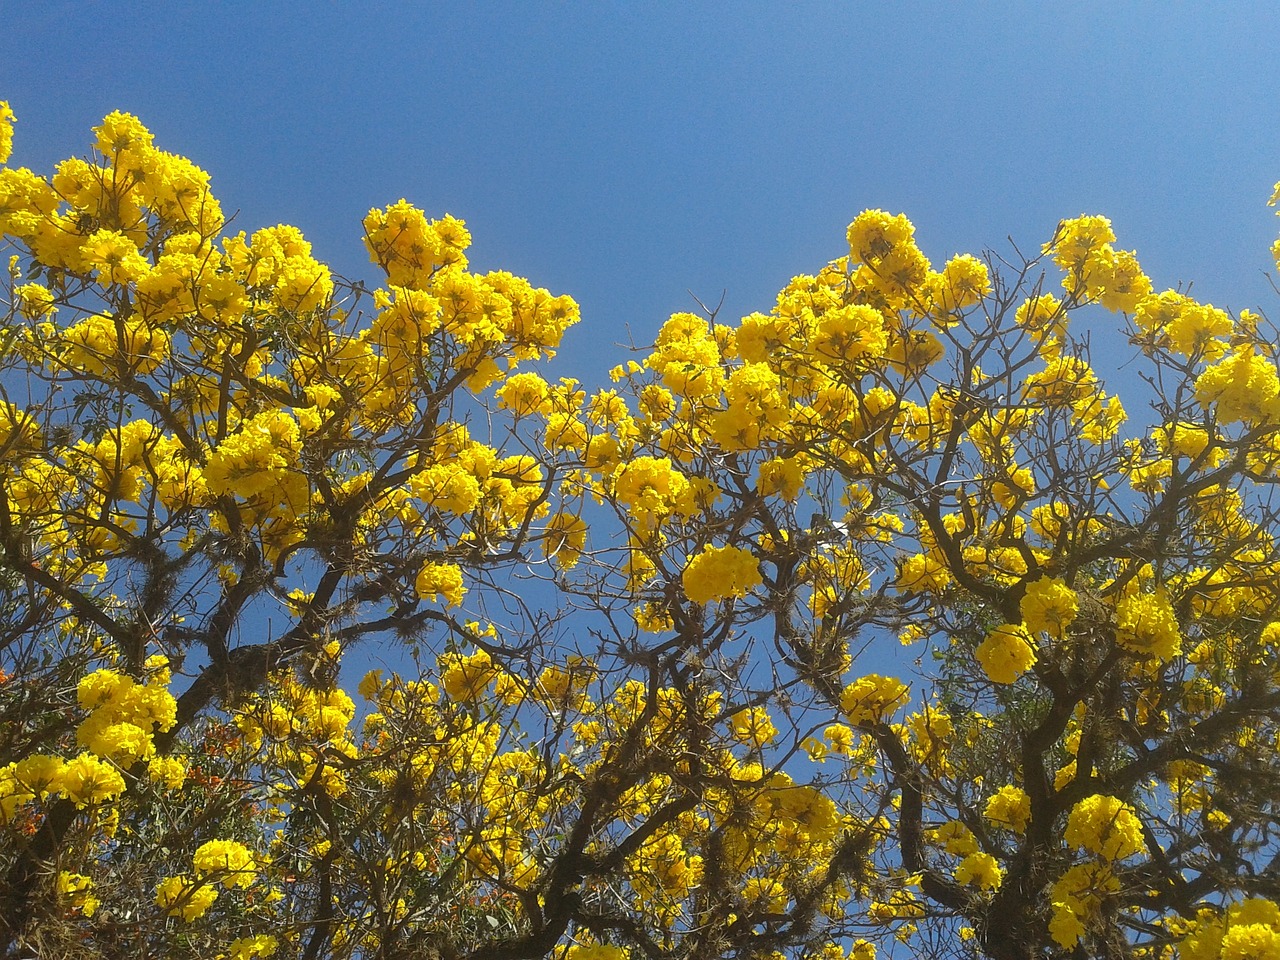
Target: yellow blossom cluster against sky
x=905, y=602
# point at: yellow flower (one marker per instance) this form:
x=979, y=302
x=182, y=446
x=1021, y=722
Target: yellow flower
x=720, y=572
x=650, y=487
x=257, y=947
x=1106, y=826
x=1243, y=388
x=922, y=573
x=77, y=888
x=849, y=334
x=753, y=726
x=766, y=894
x=257, y=459
x=187, y=899
x=1007, y=653
x=35, y=301
x=1246, y=930
x=963, y=282
x=840, y=738
x=868, y=699
x=566, y=535
x=1065, y=925
x=447, y=487
x=979, y=870
x=956, y=838
x=1076, y=897
x=1064, y=381
x=466, y=677
x=1147, y=626
x=523, y=394
x=302, y=284
x=411, y=248
x=1116, y=279
x=1076, y=239
x=168, y=771
x=1175, y=320
x=226, y=860
x=95, y=343
x=687, y=357
x=120, y=132
x=87, y=780
x=1049, y=606
x=6, y=131
x=441, y=579
x=784, y=476
x=37, y=775
x=874, y=234
x=1009, y=807
x=114, y=256
x=756, y=405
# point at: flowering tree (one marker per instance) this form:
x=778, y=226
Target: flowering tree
x=636, y=643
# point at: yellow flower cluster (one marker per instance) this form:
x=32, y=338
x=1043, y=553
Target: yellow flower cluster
x=755, y=408
x=257, y=460
x=1049, y=606
x=1106, y=826
x=565, y=537
x=1076, y=897
x=845, y=336
x=102, y=344
x=720, y=572
x=651, y=489
x=1176, y=322
x=1045, y=318
x=524, y=394
x=411, y=248
x=663, y=869
x=1007, y=653
x=1009, y=807
x=963, y=282
x=226, y=861
x=441, y=580
x=110, y=204
x=870, y=698
x=123, y=718
x=980, y=870
x=259, y=946
x=77, y=890
x=1146, y=625
x=1243, y=387
x=124, y=715
x=1248, y=930
x=6, y=130
x=753, y=727
x=687, y=357
x=1082, y=247
x=185, y=897
x=301, y=728
x=890, y=262
x=466, y=676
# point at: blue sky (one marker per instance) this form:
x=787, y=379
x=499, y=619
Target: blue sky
x=628, y=154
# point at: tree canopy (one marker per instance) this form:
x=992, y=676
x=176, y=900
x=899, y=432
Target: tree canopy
x=339, y=621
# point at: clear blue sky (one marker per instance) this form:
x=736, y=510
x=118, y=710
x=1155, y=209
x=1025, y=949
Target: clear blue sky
x=627, y=154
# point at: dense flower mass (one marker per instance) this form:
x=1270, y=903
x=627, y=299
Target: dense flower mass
x=1049, y=606
x=1105, y=826
x=1006, y=653
x=720, y=572
x=616, y=638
